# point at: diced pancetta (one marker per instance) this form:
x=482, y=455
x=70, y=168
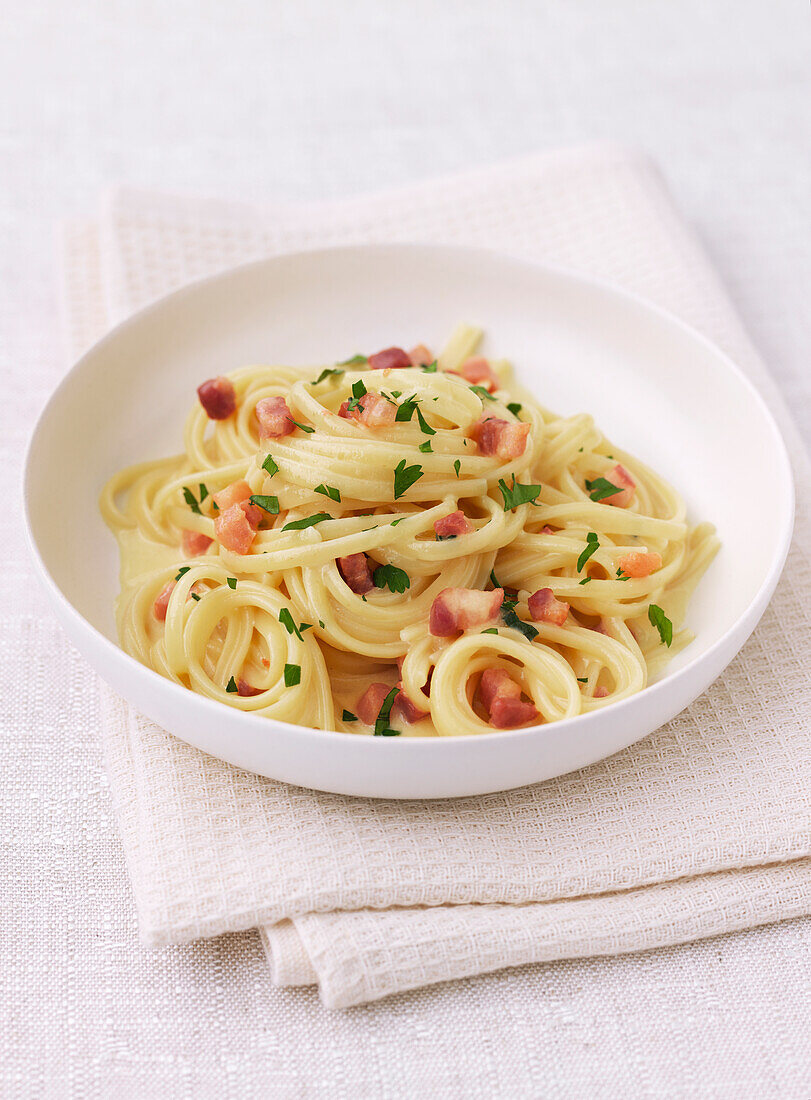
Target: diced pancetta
x=500, y=437
x=354, y=568
x=390, y=359
x=544, y=608
x=620, y=477
x=500, y=696
x=640, y=564
x=235, y=528
x=547, y=530
x=403, y=707
x=275, y=419
x=456, y=609
x=232, y=494
x=244, y=688
x=162, y=601
x=421, y=356
x=478, y=372
x=455, y=524
x=193, y=543
x=601, y=693
x=218, y=398
x=369, y=704
x=372, y=409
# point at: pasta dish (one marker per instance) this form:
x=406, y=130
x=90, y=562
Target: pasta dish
x=401, y=545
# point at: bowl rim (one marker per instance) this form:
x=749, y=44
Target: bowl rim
x=751, y=613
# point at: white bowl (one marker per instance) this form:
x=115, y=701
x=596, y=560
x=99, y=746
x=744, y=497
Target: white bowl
x=656, y=387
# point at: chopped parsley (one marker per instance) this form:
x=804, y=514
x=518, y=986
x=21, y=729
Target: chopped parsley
x=582, y=679
x=269, y=504
x=394, y=522
x=231, y=582
x=305, y=626
x=431, y=368
x=424, y=425
x=308, y=521
x=511, y=619
x=194, y=596
x=592, y=545
x=269, y=466
x=586, y=580
x=383, y=715
x=406, y=409
x=348, y=716
x=354, y=361
x=286, y=619
x=426, y=447
x=329, y=491
x=183, y=569
x=494, y=579
x=232, y=686
x=327, y=371
x=484, y=394
x=304, y=427
x=515, y=495
x=457, y=466
x=292, y=675
x=389, y=576
x=658, y=619
x=405, y=477
x=358, y=391
x=623, y=576
x=191, y=500
x=203, y=492
x=515, y=407
x=490, y=630
x=322, y=624
x=600, y=488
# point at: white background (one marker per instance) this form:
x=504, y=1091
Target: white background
x=316, y=98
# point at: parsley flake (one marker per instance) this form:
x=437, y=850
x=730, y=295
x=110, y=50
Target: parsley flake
x=269, y=466
x=304, y=427
x=515, y=495
x=405, y=477
x=511, y=619
x=286, y=619
x=657, y=618
x=586, y=580
x=329, y=491
x=269, y=504
x=484, y=394
x=194, y=596
x=394, y=522
x=494, y=579
x=322, y=624
x=308, y=521
x=191, y=500
x=354, y=361
x=457, y=466
x=425, y=427
x=327, y=371
x=515, y=407
x=203, y=492
x=232, y=686
x=389, y=576
x=582, y=679
x=231, y=582
x=183, y=569
x=600, y=488
x=406, y=409
x=383, y=715
x=426, y=447
x=292, y=675
x=358, y=391
x=592, y=545
x=431, y=368
x=623, y=576
x=348, y=716
x=490, y=630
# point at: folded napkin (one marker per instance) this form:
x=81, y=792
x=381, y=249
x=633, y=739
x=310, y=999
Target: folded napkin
x=701, y=828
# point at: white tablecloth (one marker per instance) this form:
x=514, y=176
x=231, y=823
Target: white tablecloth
x=317, y=99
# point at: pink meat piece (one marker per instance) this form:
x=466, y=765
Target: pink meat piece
x=478, y=372
x=500, y=437
x=390, y=359
x=193, y=543
x=234, y=493
x=421, y=356
x=500, y=696
x=218, y=398
x=456, y=609
x=275, y=419
x=544, y=608
x=455, y=524
x=354, y=568
x=162, y=601
x=620, y=477
x=640, y=564
x=236, y=527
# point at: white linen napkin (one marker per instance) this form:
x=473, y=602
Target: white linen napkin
x=702, y=828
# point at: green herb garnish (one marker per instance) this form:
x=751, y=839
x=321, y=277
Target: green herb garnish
x=232, y=686
x=183, y=569
x=426, y=447
x=194, y=596
x=582, y=679
x=292, y=675
x=348, y=716
x=382, y=720
x=270, y=466
x=494, y=579
x=490, y=630
x=431, y=368
x=406, y=409
x=354, y=361
x=303, y=427
x=191, y=500
x=231, y=582
x=515, y=408
x=511, y=619
x=358, y=391
x=405, y=477
x=623, y=576
x=269, y=504
x=309, y=521
x=599, y=489
x=327, y=371
x=515, y=495
x=394, y=522
x=592, y=545
x=329, y=491
x=203, y=492
x=658, y=619
x=484, y=394
x=286, y=619
x=457, y=466
x=586, y=580
x=424, y=425
x=389, y=576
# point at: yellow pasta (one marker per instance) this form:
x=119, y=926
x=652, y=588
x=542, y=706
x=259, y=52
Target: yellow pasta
x=278, y=631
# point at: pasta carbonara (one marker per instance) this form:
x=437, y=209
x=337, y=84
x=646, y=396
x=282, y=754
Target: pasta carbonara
x=400, y=545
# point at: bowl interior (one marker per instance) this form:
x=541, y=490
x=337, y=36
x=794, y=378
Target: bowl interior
x=652, y=385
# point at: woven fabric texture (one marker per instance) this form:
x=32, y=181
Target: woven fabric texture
x=703, y=827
